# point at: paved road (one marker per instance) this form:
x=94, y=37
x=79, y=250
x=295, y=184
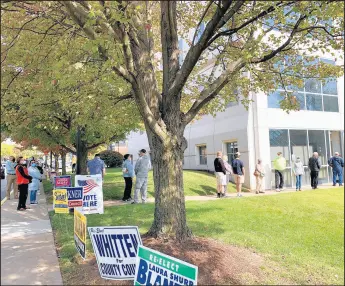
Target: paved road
x=3, y=188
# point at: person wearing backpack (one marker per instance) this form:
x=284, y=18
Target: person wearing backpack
x=337, y=164
x=298, y=170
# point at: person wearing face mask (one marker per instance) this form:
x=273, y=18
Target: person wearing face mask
x=11, y=178
x=34, y=186
x=23, y=181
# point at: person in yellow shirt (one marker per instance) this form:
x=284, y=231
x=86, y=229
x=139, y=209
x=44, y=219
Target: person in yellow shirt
x=279, y=165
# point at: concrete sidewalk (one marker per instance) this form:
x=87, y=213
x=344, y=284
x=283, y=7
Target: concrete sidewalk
x=28, y=254
x=229, y=196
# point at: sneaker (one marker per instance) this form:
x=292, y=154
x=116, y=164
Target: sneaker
x=262, y=192
x=218, y=195
x=334, y=185
x=256, y=192
x=132, y=203
x=239, y=195
x=341, y=185
x=281, y=189
x=296, y=190
x=300, y=190
x=222, y=195
x=277, y=190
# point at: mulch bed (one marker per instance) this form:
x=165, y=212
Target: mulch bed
x=218, y=263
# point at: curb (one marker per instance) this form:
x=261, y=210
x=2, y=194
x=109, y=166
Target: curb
x=5, y=199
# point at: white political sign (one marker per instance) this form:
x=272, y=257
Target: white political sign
x=115, y=248
x=93, y=193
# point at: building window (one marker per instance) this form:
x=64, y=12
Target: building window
x=300, y=143
x=202, y=155
x=231, y=150
x=314, y=96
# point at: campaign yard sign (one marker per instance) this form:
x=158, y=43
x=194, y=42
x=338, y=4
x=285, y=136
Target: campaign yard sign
x=62, y=182
x=75, y=197
x=60, y=201
x=116, y=250
x=156, y=268
x=93, y=193
x=80, y=232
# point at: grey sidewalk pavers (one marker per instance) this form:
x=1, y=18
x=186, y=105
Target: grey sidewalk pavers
x=229, y=196
x=28, y=254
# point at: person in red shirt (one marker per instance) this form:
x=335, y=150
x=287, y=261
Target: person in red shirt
x=23, y=181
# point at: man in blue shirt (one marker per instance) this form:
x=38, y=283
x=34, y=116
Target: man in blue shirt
x=11, y=178
x=96, y=166
x=238, y=170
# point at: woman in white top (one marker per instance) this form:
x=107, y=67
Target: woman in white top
x=259, y=175
x=298, y=170
x=226, y=178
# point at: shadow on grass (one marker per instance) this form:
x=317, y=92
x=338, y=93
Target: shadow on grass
x=205, y=191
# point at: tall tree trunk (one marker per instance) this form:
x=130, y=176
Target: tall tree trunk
x=51, y=160
x=170, y=210
x=56, y=158
x=81, y=168
x=63, y=161
x=82, y=159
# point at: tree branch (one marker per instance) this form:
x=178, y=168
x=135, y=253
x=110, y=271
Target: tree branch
x=195, y=51
x=286, y=43
x=212, y=91
x=58, y=142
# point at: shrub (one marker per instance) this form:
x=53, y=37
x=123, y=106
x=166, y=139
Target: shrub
x=111, y=158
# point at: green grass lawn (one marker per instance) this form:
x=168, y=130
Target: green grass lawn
x=195, y=184
x=301, y=232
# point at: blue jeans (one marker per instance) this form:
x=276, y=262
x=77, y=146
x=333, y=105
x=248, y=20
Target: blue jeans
x=298, y=182
x=33, y=199
x=338, y=173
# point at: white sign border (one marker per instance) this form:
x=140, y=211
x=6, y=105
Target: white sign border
x=93, y=248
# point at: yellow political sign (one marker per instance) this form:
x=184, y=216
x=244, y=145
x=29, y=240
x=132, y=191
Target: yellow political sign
x=80, y=232
x=60, y=201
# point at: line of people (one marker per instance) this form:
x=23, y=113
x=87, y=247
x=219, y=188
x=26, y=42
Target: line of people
x=223, y=170
x=140, y=171
x=24, y=180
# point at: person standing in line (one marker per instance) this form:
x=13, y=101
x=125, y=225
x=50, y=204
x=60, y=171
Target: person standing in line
x=239, y=173
x=220, y=174
x=141, y=170
x=279, y=165
x=74, y=163
x=337, y=164
x=298, y=170
x=96, y=166
x=314, y=167
x=259, y=175
x=11, y=178
x=128, y=174
x=227, y=175
x=23, y=180
x=34, y=186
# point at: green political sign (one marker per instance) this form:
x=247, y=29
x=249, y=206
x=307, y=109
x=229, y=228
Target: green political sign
x=156, y=268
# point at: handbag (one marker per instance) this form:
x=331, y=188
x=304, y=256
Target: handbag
x=257, y=173
x=124, y=170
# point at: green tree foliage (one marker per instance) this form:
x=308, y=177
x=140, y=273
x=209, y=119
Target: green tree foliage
x=111, y=158
x=134, y=39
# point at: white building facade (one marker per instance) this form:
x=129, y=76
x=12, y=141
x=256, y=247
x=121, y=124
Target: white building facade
x=265, y=129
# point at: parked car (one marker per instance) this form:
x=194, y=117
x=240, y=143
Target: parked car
x=2, y=174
